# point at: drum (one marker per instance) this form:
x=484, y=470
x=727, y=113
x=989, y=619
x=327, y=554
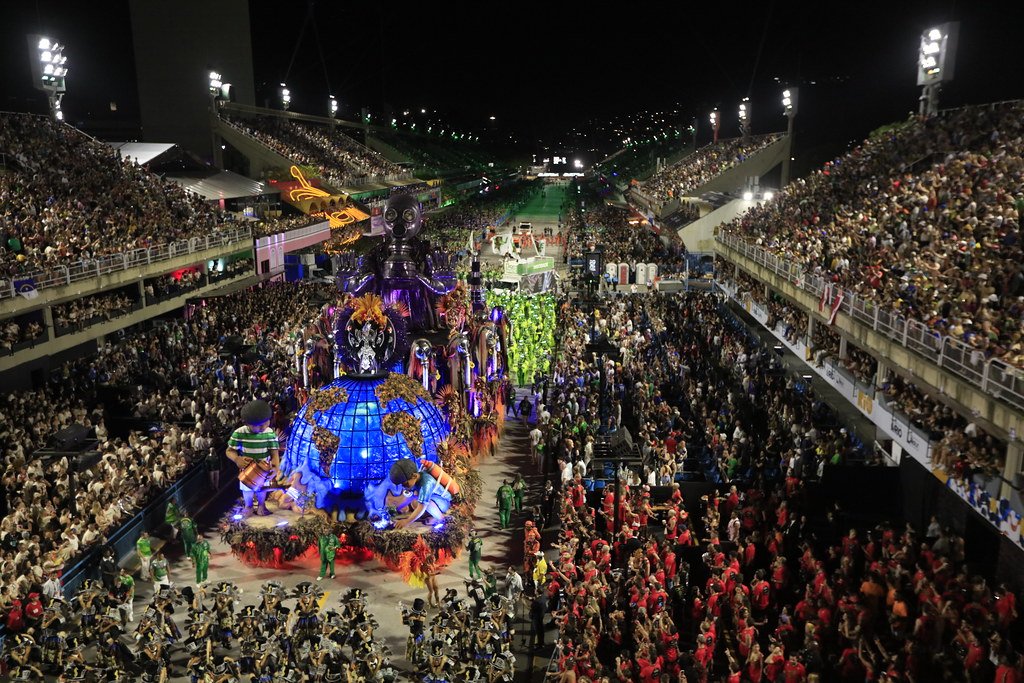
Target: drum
x=256, y=474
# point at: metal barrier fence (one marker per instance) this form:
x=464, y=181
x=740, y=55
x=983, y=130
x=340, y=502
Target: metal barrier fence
x=992, y=377
x=189, y=491
x=92, y=268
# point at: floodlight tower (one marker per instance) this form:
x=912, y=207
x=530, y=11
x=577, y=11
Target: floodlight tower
x=332, y=107
x=936, y=58
x=745, y=118
x=790, y=101
x=716, y=121
x=286, y=97
x=49, y=71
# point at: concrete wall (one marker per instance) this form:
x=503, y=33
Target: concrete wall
x=118, y=278
x=758, y=165
x=700, y=234
x=177, y=44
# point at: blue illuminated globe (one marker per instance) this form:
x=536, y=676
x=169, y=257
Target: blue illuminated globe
x=364, y=451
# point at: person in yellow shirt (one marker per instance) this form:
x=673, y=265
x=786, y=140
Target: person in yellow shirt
x=540, y=570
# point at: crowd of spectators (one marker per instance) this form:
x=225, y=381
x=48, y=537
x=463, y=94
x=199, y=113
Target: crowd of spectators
x=759, y=580
x=272, y=226
x=922, y=219
x=624, y=237
x=962, y=449
x=14, y=332
x=80, y=313
x=67, y=197
x=173, y=376
x=451, y=226
x=680, y=179
x=338, y=159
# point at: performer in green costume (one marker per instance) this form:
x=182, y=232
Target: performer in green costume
x=518, y=488
x=201, y=558
x=476, y=551
x=172, y=515
x=188, y=533
x=328, y=546
x=505, y=497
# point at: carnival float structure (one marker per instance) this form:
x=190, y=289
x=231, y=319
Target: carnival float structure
x=420, y=378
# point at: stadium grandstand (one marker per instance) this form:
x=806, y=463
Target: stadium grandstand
x=656, y=402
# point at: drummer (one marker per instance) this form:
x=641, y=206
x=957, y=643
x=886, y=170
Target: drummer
x=255, y=441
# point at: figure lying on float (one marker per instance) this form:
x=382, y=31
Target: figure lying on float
x=415, y=490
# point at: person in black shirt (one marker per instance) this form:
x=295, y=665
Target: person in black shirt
x=538, y=608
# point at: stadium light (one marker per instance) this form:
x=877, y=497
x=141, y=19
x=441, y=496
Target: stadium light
x=790, y=100
x=332, y=106
x=768, y=196
x=286, y=97
x=936, y=57
x=790, y=104
x=745, y=118
x=217, y=86
x=49, y=67
x=715, y=122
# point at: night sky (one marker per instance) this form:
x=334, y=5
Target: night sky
x=542, y=69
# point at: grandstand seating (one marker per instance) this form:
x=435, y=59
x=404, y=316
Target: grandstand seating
x=639, y=161
x=433, y=156
x=339, y=159
x=67, y=197
x=921, y=220
x=695, y=170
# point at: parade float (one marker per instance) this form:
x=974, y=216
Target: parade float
x=420, y=378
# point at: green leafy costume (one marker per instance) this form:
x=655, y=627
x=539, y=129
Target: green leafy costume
x=505, y=498
x=201, y=556
x=328, y=547
x=476, y=551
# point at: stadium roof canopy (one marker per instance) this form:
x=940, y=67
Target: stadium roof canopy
x=223, y=185
x=142, y=152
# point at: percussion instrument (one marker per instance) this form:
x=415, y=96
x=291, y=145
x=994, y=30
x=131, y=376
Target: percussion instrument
x=256, y=474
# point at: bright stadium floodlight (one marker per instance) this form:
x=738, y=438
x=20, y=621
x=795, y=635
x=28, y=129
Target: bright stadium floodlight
x=790, y=99
x=790, y=103
x=49, y=67
x=745, y=118
x=286, y=97
x=936, y=57
x=769, y=195
x=715, y=123
x=748, y=196
x=332, y=106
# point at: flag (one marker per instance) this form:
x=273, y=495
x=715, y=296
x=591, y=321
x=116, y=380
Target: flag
x=836, y=304
x=825, y=296
x=26, y=287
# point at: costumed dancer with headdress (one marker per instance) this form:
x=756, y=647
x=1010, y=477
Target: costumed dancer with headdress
x=255, y=443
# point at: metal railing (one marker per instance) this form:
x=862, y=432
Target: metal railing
x=93, y=268
x=992, y=377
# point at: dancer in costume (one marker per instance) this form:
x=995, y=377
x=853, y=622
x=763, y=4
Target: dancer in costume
x=475, y=546
x=328, y=546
